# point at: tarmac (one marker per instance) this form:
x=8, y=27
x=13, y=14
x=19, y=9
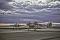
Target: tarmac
x=33, y=35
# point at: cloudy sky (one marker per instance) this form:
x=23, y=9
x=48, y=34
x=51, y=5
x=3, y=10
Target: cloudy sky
x=4, y=4
x=29, y=10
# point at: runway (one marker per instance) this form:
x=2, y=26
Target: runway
x=33, y=35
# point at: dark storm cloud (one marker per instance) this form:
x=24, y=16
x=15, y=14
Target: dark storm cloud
x=5, y=0
x=58, y=0
x=9, y=0
x=4, y=4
